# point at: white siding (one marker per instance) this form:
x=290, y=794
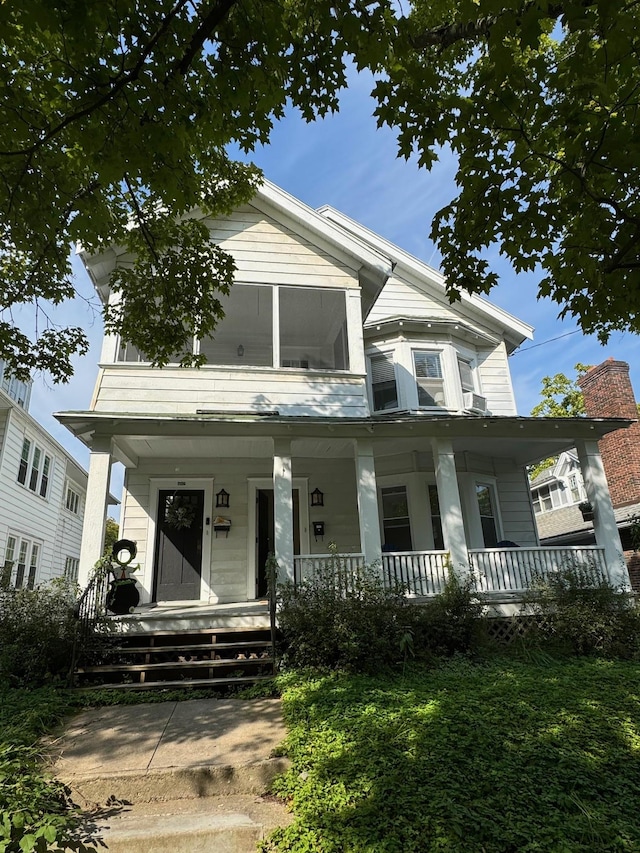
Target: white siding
x=495, y=378
x=146, y=390
x=515, y=504
x=229, y=555
x=69, y=530
x=401, y=299
x=22, y=511
x=267, y=251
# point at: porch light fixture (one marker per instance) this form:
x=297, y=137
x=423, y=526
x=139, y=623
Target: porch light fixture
x=317, y=498
x=222, y=498
x=240, y=351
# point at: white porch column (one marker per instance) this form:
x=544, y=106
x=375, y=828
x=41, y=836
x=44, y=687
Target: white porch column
x=283, y=507
x=95, y=509
x=370, y=541
x=604, y=521
x=450, y=506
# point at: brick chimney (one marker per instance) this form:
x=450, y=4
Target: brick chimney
x=608, y=394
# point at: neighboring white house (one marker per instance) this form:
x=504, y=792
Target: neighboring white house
x=42, y=494
x=344, y=399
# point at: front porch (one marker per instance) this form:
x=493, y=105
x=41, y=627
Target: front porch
x=411, y=494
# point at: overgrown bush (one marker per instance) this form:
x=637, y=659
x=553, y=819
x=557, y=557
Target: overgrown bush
x=342, y=619
x=448, y=624
x=350, y=620
x=37, y=629
x=582, y=613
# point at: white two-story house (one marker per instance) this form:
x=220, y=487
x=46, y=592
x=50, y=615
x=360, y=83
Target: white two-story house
x=344, y=399
x=42, y=495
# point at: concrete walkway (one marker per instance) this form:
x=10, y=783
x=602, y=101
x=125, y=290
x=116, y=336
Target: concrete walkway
x=175, y=775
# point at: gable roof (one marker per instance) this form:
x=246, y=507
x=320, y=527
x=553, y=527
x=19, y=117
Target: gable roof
x=432, y=282
x=374, y=266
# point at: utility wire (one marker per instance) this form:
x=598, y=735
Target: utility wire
x=549, y=341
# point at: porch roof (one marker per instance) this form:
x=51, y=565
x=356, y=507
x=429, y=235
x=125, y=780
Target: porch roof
x=525, y=440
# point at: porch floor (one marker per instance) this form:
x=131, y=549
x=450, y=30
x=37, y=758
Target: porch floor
x=169, y=616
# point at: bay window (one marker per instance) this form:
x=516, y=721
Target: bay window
x=429, y=378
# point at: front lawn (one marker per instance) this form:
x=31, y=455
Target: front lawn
x=35, y=812
x=508, y=756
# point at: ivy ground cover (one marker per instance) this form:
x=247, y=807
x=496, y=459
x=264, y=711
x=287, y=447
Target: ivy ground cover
x=498, y=757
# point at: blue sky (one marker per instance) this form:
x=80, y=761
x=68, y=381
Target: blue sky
x=345, y=161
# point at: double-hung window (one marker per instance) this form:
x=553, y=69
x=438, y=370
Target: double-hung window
x=383, y=382
x=429, y=378
x=488, y=518
x=72, y=501
x=21, y=560
x=34, y=468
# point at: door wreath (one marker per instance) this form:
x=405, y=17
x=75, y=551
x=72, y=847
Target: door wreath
x=179, y=513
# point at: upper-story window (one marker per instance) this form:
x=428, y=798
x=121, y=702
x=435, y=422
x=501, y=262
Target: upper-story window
x=15, y=388
x=72, y=502
x=313, y=328
x=465, y=370
x=264, y=326
x=409, y=376
x=34, y=469
x=429, y=378
x=383, y=382
x=548, y=497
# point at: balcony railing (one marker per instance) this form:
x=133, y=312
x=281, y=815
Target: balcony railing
x=424, y=573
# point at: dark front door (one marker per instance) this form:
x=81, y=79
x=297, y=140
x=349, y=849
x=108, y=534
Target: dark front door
x=178, y=556
x=266, y=535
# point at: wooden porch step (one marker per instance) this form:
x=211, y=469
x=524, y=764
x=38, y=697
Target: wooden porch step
x=189, y=647
x=194, y=631
x=171, y=665
x=186, y=682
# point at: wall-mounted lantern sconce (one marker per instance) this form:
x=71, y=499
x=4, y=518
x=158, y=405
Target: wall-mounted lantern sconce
x=317, y=498
x=240, y=351
x=318, y=530
x=222, y=498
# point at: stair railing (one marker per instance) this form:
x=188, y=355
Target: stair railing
x=271, y=567
x=90, y=609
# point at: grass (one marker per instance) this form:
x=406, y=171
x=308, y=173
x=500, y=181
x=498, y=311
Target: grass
x=510, y=755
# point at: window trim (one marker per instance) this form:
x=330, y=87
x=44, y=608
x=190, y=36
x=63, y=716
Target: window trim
x=26, y=571
x=276, y=361
x=31, y=477
x=75, y=501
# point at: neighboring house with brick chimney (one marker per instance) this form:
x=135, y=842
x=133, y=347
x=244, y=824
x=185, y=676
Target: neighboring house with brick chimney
x=558, y=491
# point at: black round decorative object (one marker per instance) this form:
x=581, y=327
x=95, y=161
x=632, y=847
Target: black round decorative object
x=123, y=596
x=127, y=545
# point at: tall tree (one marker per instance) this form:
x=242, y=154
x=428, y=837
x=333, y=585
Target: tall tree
x=115, y=116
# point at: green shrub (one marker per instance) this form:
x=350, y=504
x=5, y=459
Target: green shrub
x=582, y=613
x=448, y=624
x=37, y=629
x=340, y=619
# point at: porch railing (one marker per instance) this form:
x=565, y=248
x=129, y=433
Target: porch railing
x=515, y=569
x=419, y=572
x=343, y=567
x=424, y=573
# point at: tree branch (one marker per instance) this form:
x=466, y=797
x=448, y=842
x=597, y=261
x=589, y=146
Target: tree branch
x=127, y=78
x=212, y=19
x=448, y=34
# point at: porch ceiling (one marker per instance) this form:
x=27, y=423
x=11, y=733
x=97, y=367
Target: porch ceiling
x=523, y=440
